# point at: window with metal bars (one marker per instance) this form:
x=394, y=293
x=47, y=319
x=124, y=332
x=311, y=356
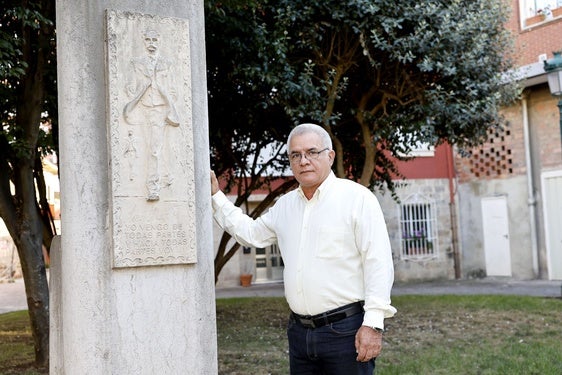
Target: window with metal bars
x=418, y=228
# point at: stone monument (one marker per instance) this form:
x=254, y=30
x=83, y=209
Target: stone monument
x=133, y=281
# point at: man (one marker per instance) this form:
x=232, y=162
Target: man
x=152, y=94
x=338, y=262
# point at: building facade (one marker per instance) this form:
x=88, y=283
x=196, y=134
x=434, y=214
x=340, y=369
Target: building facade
x=510, y=188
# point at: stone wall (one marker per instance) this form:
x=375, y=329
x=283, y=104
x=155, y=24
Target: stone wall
x=442, y=265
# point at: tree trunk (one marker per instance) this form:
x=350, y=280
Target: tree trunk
x=25, y=99
x=37, y=291
x=223, y=256
x=28, y=238
x=27, y=232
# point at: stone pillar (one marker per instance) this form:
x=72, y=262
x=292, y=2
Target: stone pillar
x=135, y=277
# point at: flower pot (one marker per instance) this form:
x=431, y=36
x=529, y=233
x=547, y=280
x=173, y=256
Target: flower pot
x=246, y=280
x=534, y=20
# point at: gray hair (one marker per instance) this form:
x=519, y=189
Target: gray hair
x=311, y=128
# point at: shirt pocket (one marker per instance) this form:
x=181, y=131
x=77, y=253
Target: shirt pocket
x=331, y=242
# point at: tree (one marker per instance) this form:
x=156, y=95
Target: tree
x=28, y=100
x=384, y=76
x=241, y=110
x=378, y=75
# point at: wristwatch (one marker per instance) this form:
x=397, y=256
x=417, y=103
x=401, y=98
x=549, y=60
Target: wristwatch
x=377, y=329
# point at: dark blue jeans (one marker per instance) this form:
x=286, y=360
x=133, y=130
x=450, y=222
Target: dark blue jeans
x=328, y=350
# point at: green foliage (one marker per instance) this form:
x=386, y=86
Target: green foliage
x=11, y=43
x=242, y=111
x=370, y=71
x=432, y=70
x=20, y=46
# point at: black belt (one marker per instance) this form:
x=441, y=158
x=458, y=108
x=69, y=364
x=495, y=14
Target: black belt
x=332, y=316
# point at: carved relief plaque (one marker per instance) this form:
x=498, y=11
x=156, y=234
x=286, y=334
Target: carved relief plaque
x=150, y=140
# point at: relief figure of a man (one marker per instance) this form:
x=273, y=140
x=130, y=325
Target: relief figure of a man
x=152, y=102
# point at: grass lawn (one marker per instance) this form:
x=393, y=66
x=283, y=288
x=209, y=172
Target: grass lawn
x=430, y=335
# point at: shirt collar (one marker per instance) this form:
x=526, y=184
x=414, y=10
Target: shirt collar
x=323, y=186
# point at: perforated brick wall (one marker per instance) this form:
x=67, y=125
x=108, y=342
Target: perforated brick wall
x=501, y=156
x=492, y=159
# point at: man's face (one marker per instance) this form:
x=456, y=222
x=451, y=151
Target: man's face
x=309, y=172
x=151, y=43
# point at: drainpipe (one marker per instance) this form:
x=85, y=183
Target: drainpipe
x=453, y=212
x=531, y=199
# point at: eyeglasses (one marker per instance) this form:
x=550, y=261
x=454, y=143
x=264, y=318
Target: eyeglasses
x=295, y=157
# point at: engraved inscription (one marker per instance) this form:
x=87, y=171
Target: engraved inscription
x=144, y=239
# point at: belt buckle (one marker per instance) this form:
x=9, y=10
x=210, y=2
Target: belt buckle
x=307, y=322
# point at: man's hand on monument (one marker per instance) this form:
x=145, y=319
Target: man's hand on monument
x=214, y=184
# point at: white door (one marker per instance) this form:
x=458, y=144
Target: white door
x=552, y=205
x=269, y=264
x=496, y=236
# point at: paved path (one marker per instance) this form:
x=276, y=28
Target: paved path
x=12, y=295
x=538, y=288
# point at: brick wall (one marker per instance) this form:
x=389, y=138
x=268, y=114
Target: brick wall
x=544, y=119
x=541, y=38
x=503, y=155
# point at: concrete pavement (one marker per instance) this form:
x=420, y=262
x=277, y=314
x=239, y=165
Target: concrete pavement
x=492, y=286
x=12, y=295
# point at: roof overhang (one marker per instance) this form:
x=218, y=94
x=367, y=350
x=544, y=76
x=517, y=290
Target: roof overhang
x=531, y=75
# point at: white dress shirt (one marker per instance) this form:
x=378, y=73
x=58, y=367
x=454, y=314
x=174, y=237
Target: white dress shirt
x=335, y=247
